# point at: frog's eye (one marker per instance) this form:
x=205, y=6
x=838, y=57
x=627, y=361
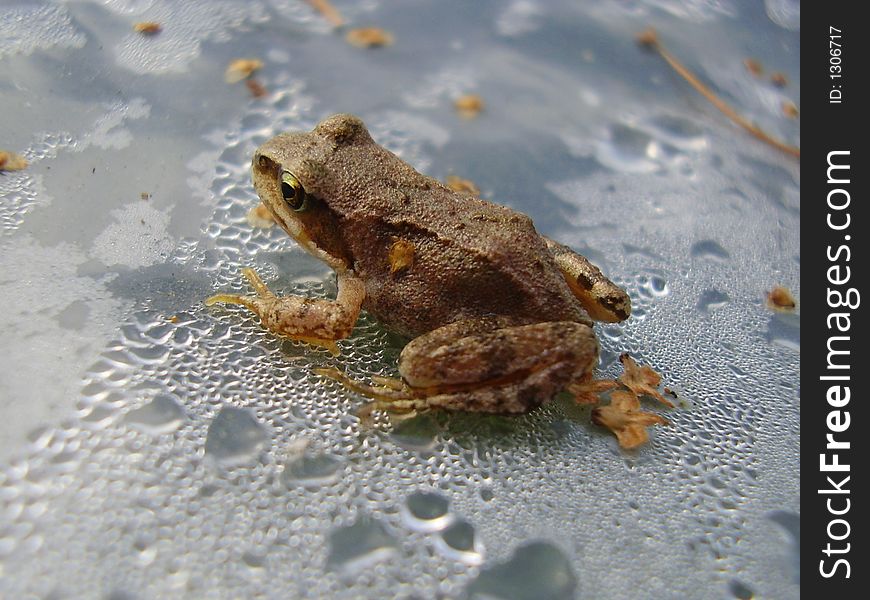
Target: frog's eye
x=293, y=192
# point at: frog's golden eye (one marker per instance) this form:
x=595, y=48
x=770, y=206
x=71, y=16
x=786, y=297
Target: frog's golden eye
x=293, y=192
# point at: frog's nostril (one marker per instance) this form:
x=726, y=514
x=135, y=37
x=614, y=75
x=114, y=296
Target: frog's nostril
x=262, y=162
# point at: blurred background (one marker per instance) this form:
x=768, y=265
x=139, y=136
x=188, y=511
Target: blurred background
x=153, y=448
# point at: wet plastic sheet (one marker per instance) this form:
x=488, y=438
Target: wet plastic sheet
x=154, y=448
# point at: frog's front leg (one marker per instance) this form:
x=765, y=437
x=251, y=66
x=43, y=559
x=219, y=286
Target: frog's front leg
x=319, y=322
x=489, y=365
x=602, y=299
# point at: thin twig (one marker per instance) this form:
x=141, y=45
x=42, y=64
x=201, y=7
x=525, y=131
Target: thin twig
x=648, y=38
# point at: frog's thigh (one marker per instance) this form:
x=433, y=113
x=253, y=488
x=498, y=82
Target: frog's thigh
x=488, y=366
x=602, y=299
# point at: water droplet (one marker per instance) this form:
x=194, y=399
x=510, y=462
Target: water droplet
x=360, y=545
x=254, y=559
x=459, y=542
x=417, y=433
x=312, y=470
x=711, y=299
x=234, y=436
x=162, y=415
x=426, y=511
x=536, y=570
x=709, y=249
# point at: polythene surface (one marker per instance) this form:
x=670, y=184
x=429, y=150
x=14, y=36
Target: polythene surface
x=153, y=448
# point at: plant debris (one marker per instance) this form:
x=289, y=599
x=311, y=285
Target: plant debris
x=329, y=12
x=469, y=105
x=242, y=68
x=648, y=38
x=260, y=217
x=626, y=420
x=779, y=79
x=642, y=380
x=463, y=186
x=753, y=66
x=780, y=298
x=9, y=161
x=147, y=27
x=790, y=109
x=369, y=37
x=257, y=89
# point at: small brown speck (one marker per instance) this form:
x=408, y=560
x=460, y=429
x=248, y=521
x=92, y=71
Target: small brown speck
x=753, y=66
x=463, y=186
x=145, y=196
x=469, y=105
x=147, y=27
x=256, y=88
x=369, y=37
x=647, y=38
x=260, y=217
x=780, y=298
x=401, y=256
x=779, y=79
x=329, y=12
x=242, y=68
x=9, y=161
x=790, y=109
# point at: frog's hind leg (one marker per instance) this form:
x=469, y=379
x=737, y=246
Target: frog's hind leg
x=318, y=322
x=602, y=299
x=490, y=365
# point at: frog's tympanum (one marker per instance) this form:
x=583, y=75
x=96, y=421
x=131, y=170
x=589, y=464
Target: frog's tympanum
x=500, y=316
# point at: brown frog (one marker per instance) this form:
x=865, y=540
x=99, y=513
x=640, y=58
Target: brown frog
x=500, y=316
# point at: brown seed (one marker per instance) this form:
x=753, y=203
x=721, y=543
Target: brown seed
x=469, y=105
x=790, y=109
x=242, y=68
x=147, y=27
x=779, y=79
x=780, y=298
x=369, y=37
x=256, y=88
x=9, y=161
x=753, y=66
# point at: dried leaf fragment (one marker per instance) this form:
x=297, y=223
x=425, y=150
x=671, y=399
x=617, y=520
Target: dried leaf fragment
x=260, y=217
x=329, y=12
x=642, y=380
x=242, y=68
x=753, y=66
x=147, y=27
x=369, y=37
x=648, y=38
x=469, y=105
x=625, y=419
x=257, y=89
x=463, y=186
x=779, y=79
x=781, y=298
x=790, y=109
x=9, y=161
x=587, y=392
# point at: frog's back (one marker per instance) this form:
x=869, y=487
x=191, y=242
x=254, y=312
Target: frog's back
x=467, y=258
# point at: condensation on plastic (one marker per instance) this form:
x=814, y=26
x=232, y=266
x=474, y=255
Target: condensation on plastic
x=155, y=448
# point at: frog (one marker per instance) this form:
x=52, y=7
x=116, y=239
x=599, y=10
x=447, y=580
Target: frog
x=500, y=318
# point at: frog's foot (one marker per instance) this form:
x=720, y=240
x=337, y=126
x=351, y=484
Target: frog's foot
x=318, y=322
x=389, y=394
x=488, y=365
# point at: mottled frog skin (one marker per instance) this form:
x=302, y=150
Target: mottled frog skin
x=500, y=316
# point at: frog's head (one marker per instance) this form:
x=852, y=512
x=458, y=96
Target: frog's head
x=299, y=178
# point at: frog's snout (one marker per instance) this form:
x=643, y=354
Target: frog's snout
x=264, y=165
